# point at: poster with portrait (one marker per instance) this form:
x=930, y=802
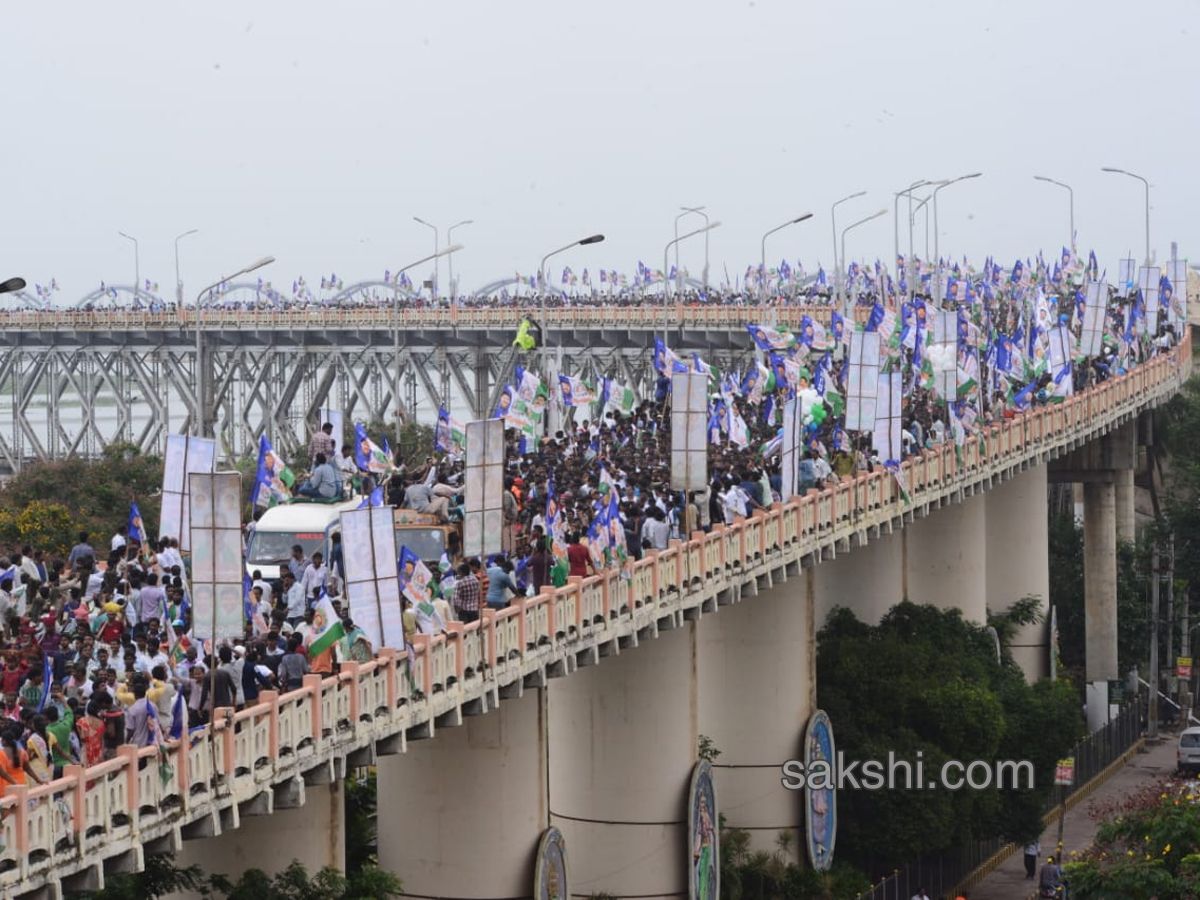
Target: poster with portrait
x=550, y=872
x=820, y=803
x=704, y=850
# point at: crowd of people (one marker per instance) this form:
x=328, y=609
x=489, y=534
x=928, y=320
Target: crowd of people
x=100, y=649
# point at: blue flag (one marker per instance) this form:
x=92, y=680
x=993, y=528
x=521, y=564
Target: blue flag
x=47, y=679
x=178, y=717
x=137, y=531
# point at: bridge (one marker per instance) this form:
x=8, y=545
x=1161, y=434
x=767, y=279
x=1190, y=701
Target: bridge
x=581, y=708
x=273, y=371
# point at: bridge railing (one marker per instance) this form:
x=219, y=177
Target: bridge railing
x=383, y=318
x=142, y=794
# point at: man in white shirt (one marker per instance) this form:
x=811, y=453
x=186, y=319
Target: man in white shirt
x=118, y=540
x=293, y=596
x=257, y=581
x=315, y=577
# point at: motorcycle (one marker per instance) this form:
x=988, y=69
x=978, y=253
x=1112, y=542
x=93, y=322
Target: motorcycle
x=1053, y=893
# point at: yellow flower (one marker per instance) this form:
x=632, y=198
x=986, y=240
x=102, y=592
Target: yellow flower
x=1166, y=849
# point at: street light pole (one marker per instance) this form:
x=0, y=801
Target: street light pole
x=178, y=281
x=453, y=248
x=450, y=258
x=837, y=266
x=896, y=223
x=137, y=273
x=762, y=272
x=201, y=420
x=875, y=215
x=698, y=210
x=1145, y=184
x=434, y=257
x=666, y=251
x=12, y=285
x=912, y=220
x=1071, y=200
x=937, y=271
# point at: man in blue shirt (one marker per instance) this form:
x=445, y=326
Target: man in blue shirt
x=324, y=482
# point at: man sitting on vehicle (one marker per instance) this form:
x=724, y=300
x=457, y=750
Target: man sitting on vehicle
x=1051, y=876
x=323, y=483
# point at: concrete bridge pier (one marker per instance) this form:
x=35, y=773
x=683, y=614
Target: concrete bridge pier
x=622, y=739
x=1018, y=562
x=757, y=680
x=460, y=816
x=946, y=558
x=312, y=831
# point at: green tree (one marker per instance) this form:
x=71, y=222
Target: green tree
x=1148, y=849
x=84, y=495
x=160, y=878
x=925, y=685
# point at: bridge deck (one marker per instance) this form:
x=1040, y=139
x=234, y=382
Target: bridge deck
x=123, y=807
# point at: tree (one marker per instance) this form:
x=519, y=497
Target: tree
x=1146, y=850
x=902, y=687
x=160, y=878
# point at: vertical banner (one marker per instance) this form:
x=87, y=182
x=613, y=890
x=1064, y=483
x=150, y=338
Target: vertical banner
x=372, y=574
x=861, y=381
x=886, y=433
x=793, y=448
x=337, y=419
x=1095, y=311
x=1148, y=281
x=215, y=502
x=185, y=456
x=704, y=847
x=1126, y=277
x=689, y=438
x=942, y=351
x=483, y=518
x=820, y=821
x=1177, y=273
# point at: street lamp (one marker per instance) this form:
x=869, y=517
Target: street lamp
x=762, y=272
x=582, y=242
x=698, y=210
x=450, y=259
x=436, y=244
x=938, y=261
x=667, y=250
x=552, y=419
x=12, y=285
x=137, y=274
x=837, y=266
x=912, y=221
x=907, y=192
x=1071, y=197
x=1146, y=184
x=202, y=420
x=874, y=215
x=178, y=281
x=453, y=248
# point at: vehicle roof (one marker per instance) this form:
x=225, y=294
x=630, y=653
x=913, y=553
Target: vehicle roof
x=303, y=516
x=1195, y=729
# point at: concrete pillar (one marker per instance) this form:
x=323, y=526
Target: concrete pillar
x=1018, y=561
x=314, y=833
x=1125, y=496
x=623, y=740
x=1100, y=590
x=757, y=682
x=946, y=558
x=460, y=815
x=869, y=580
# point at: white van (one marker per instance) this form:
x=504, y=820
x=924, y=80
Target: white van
x=1188, y=754
x=282, y=527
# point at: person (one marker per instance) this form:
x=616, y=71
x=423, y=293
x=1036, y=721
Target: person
x=141, y=718
x=579, y=558
x=466, y=595
x=921, y=894
x=1051, y=875
x=322, y=444
x=323, y=483
x=1032, y=851
x=499, y=580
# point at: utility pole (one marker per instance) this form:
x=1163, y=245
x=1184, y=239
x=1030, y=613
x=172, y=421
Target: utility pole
x=1171, y=609
x=1152, y=718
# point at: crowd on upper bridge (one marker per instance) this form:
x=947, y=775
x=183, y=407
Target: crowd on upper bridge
x=99, y=648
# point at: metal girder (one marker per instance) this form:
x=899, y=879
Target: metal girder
x=141, y=383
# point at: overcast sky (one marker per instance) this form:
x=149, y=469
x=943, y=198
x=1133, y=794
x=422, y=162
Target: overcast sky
x=316, y=131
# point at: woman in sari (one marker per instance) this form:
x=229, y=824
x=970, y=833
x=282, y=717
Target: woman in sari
x=13, y=760
x=37, y=746
x=90, y=729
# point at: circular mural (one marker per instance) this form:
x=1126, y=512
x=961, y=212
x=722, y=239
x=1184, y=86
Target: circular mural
x=704, y=856
x=820, y=802
x=550, y=875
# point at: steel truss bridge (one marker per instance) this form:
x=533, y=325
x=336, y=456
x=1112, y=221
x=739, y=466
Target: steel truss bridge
x=75, y=382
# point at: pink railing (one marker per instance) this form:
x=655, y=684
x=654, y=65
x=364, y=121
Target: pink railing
x=140, y=794
x=384, y=318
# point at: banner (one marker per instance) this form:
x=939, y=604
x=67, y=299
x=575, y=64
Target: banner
x=185, y=456
x=216, y=548
x=372, y=582
x=689, y=442
x=483, y=518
